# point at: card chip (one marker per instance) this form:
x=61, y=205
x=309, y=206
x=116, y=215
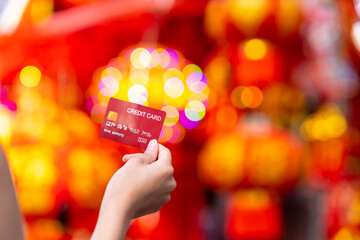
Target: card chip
x=112, y=116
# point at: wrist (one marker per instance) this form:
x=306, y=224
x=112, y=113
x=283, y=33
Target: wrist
x=114, y=220
x=119, y=209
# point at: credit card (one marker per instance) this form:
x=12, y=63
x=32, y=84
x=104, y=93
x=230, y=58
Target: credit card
x=132, y=124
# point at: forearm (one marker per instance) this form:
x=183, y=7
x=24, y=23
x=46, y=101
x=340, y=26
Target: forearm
x=113, y=222
x=140, y=187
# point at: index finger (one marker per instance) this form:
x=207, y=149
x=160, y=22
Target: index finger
x=164, y=155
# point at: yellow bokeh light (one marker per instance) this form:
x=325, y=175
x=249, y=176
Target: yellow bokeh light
x=140, y=58
x=5, y=123
x=172, y=115
x=30, y=76
x=257, y=97
x=250, y=97
x=174, y=87
x=247, y=97
x=255, y=49
x=173, y=73
x=327, y=123
x=236, y=97
x=112, y=72
x=139, y=76
x=155, y=59
x=190, y=68
x=336, y=125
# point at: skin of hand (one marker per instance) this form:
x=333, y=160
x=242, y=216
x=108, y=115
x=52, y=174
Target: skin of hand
x=142, y=186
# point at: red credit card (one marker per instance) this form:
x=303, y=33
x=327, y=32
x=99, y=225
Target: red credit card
x=131, y=123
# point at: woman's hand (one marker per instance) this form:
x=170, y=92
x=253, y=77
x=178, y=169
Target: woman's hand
x=142, y=186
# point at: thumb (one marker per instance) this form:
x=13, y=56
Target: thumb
x=152, y=151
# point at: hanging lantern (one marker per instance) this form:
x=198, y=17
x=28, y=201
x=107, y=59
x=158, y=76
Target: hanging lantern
x=274, y=159
x=252, y=63
x=253, y=214
x=326, y=132
x=256, y=155
x=234, y=19
x=221, y=161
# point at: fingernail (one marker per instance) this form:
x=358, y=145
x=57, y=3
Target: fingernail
x=152, y=145
x=123, y=159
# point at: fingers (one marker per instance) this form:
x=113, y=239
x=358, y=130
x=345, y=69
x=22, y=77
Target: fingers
x=127, y=157
x=150, y=154
x=164, y=155
x=152, y=151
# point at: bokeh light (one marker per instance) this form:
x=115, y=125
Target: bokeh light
x=140, y=58
x=196, y=82
x=108, y=86
x=5, y=123
x=30, y=76
x=255, y=49
x=112, y=72
x=195, y=109
x=189, y=118
x=243, y=97
x=172, y=115
x=139, y=76
x=327, y=123
x=138, y=94
x=174, y=87
x=155, y=77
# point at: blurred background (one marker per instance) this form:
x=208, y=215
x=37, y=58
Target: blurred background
x=263, y=113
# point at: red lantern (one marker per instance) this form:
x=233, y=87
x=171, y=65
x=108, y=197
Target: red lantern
x=235, y=19
x=221, y=161
x=253, y=214
x=272, y=159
